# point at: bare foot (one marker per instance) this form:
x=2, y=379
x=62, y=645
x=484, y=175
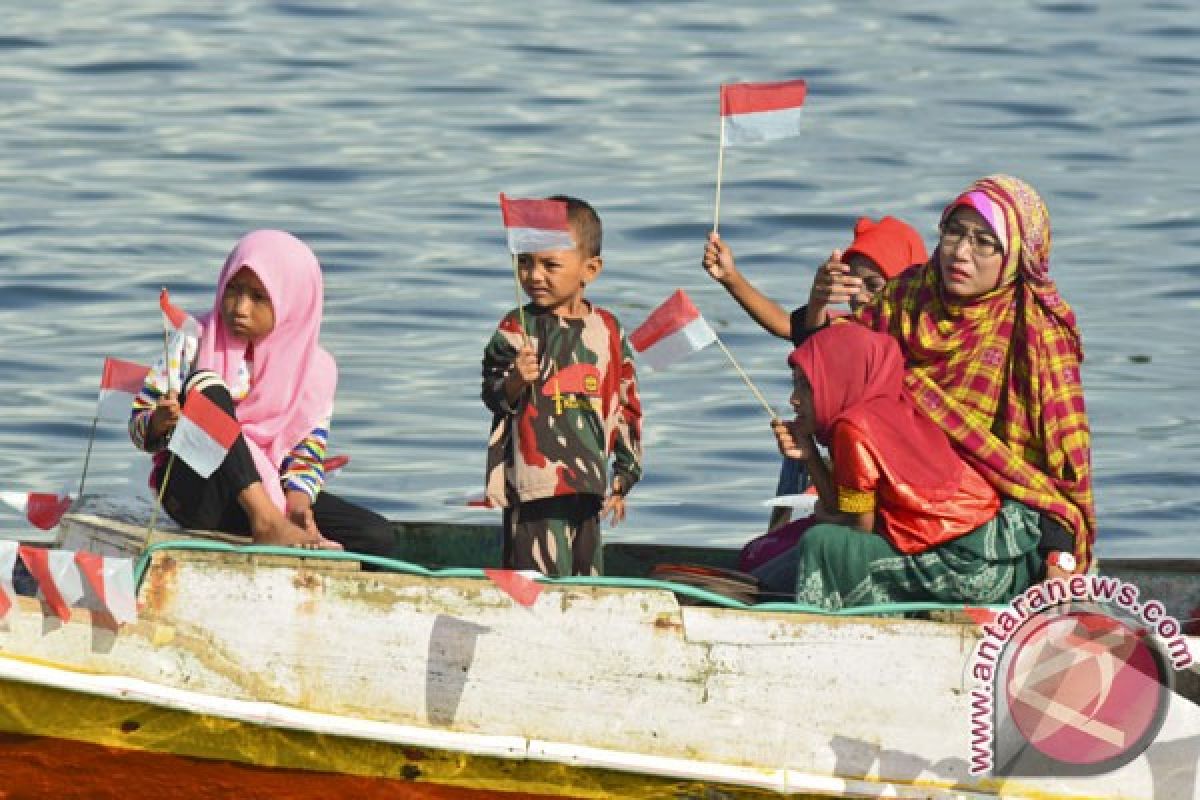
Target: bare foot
x=277, y=529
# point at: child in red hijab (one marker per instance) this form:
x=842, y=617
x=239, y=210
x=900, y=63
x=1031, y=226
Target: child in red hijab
x=258, y=358
x=880, y=251
x=901, y=516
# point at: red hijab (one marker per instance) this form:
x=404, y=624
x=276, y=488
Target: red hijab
x=857, y=376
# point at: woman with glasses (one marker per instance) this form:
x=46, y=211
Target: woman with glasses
x=993, y=355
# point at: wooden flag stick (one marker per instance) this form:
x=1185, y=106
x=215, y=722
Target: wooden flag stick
x=87, y=456
x=746, y=378
x=162, y=490
x=517, y=288
x=521, y=310
x=167, y=353
x=720, y=169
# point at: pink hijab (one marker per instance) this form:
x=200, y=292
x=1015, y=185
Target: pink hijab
x=293, y=378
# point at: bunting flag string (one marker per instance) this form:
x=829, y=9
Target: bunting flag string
x=64, y=578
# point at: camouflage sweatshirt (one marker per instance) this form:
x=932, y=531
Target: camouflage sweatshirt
x=558, y=436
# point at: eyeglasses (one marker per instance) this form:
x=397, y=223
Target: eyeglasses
x=983, y=244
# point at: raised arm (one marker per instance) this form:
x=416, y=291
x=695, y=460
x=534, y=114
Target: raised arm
x=718, y=262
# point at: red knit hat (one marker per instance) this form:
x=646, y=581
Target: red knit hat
x=893, y=245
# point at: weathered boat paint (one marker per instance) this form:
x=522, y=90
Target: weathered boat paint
x=589, y=681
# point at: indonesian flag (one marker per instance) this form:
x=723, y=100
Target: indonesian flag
x=535, y=225
x=57, y=577
x=112, y=581
x=42, y=509
x=203, y=434
x=673, y=330
x=760, y=112
x=517, y=584
x=175, y=318
x=119, y=383
x=8, y=560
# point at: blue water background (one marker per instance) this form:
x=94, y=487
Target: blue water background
x=140, y=139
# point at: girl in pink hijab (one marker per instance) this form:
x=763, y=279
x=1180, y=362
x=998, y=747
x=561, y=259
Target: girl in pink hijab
x=257, y=357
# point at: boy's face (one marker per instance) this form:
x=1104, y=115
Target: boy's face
x=555, y=279
x=871, y=276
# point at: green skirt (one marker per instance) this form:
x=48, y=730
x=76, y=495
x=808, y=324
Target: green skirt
x=834, y=566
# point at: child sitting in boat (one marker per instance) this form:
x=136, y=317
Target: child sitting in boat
x=902, y=516
x=880, y=251
x=257, y=357
x=559, y=379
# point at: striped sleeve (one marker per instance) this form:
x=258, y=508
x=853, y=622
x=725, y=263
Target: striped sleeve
x=169, y=372
x=303, y=468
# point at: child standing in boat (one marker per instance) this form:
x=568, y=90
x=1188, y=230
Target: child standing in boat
x=563, y=392
x=257, y=357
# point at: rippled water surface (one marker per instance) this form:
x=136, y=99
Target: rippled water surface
x=140, y=139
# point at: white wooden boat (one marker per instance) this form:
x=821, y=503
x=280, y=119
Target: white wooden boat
x=247, y=668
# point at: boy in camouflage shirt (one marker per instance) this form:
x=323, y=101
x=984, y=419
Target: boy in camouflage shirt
x=564, y=397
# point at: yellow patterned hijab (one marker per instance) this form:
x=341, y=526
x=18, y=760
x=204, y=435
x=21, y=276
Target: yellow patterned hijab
x=999, y=373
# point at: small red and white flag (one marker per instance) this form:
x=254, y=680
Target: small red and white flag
x=112, y=581
x=203, y=434
x=8, y=561
x=673, y=330
x=535, y=225
x=517, y=584
x=175, y=318
x=57, y=577
x=119, y=384
x=42, y=509
x=760, y=112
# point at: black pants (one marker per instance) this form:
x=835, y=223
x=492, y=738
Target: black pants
x=212, y=503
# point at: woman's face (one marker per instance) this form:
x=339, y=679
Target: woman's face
x=970, y=255
x=246, y=307
x=802, y=403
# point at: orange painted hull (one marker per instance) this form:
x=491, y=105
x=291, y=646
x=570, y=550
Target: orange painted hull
x=36, y=768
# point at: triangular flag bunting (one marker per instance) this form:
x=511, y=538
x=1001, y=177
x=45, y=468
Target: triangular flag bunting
x=112, y=581
x=979, y=615
x=8, y=560
x=57, y=577
x=535, y=225
x=42, y=509
x=203, y=434
x=119, y=384
x=673, y=330
x=475, y=502
x=519, y=585
x=761, y=112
